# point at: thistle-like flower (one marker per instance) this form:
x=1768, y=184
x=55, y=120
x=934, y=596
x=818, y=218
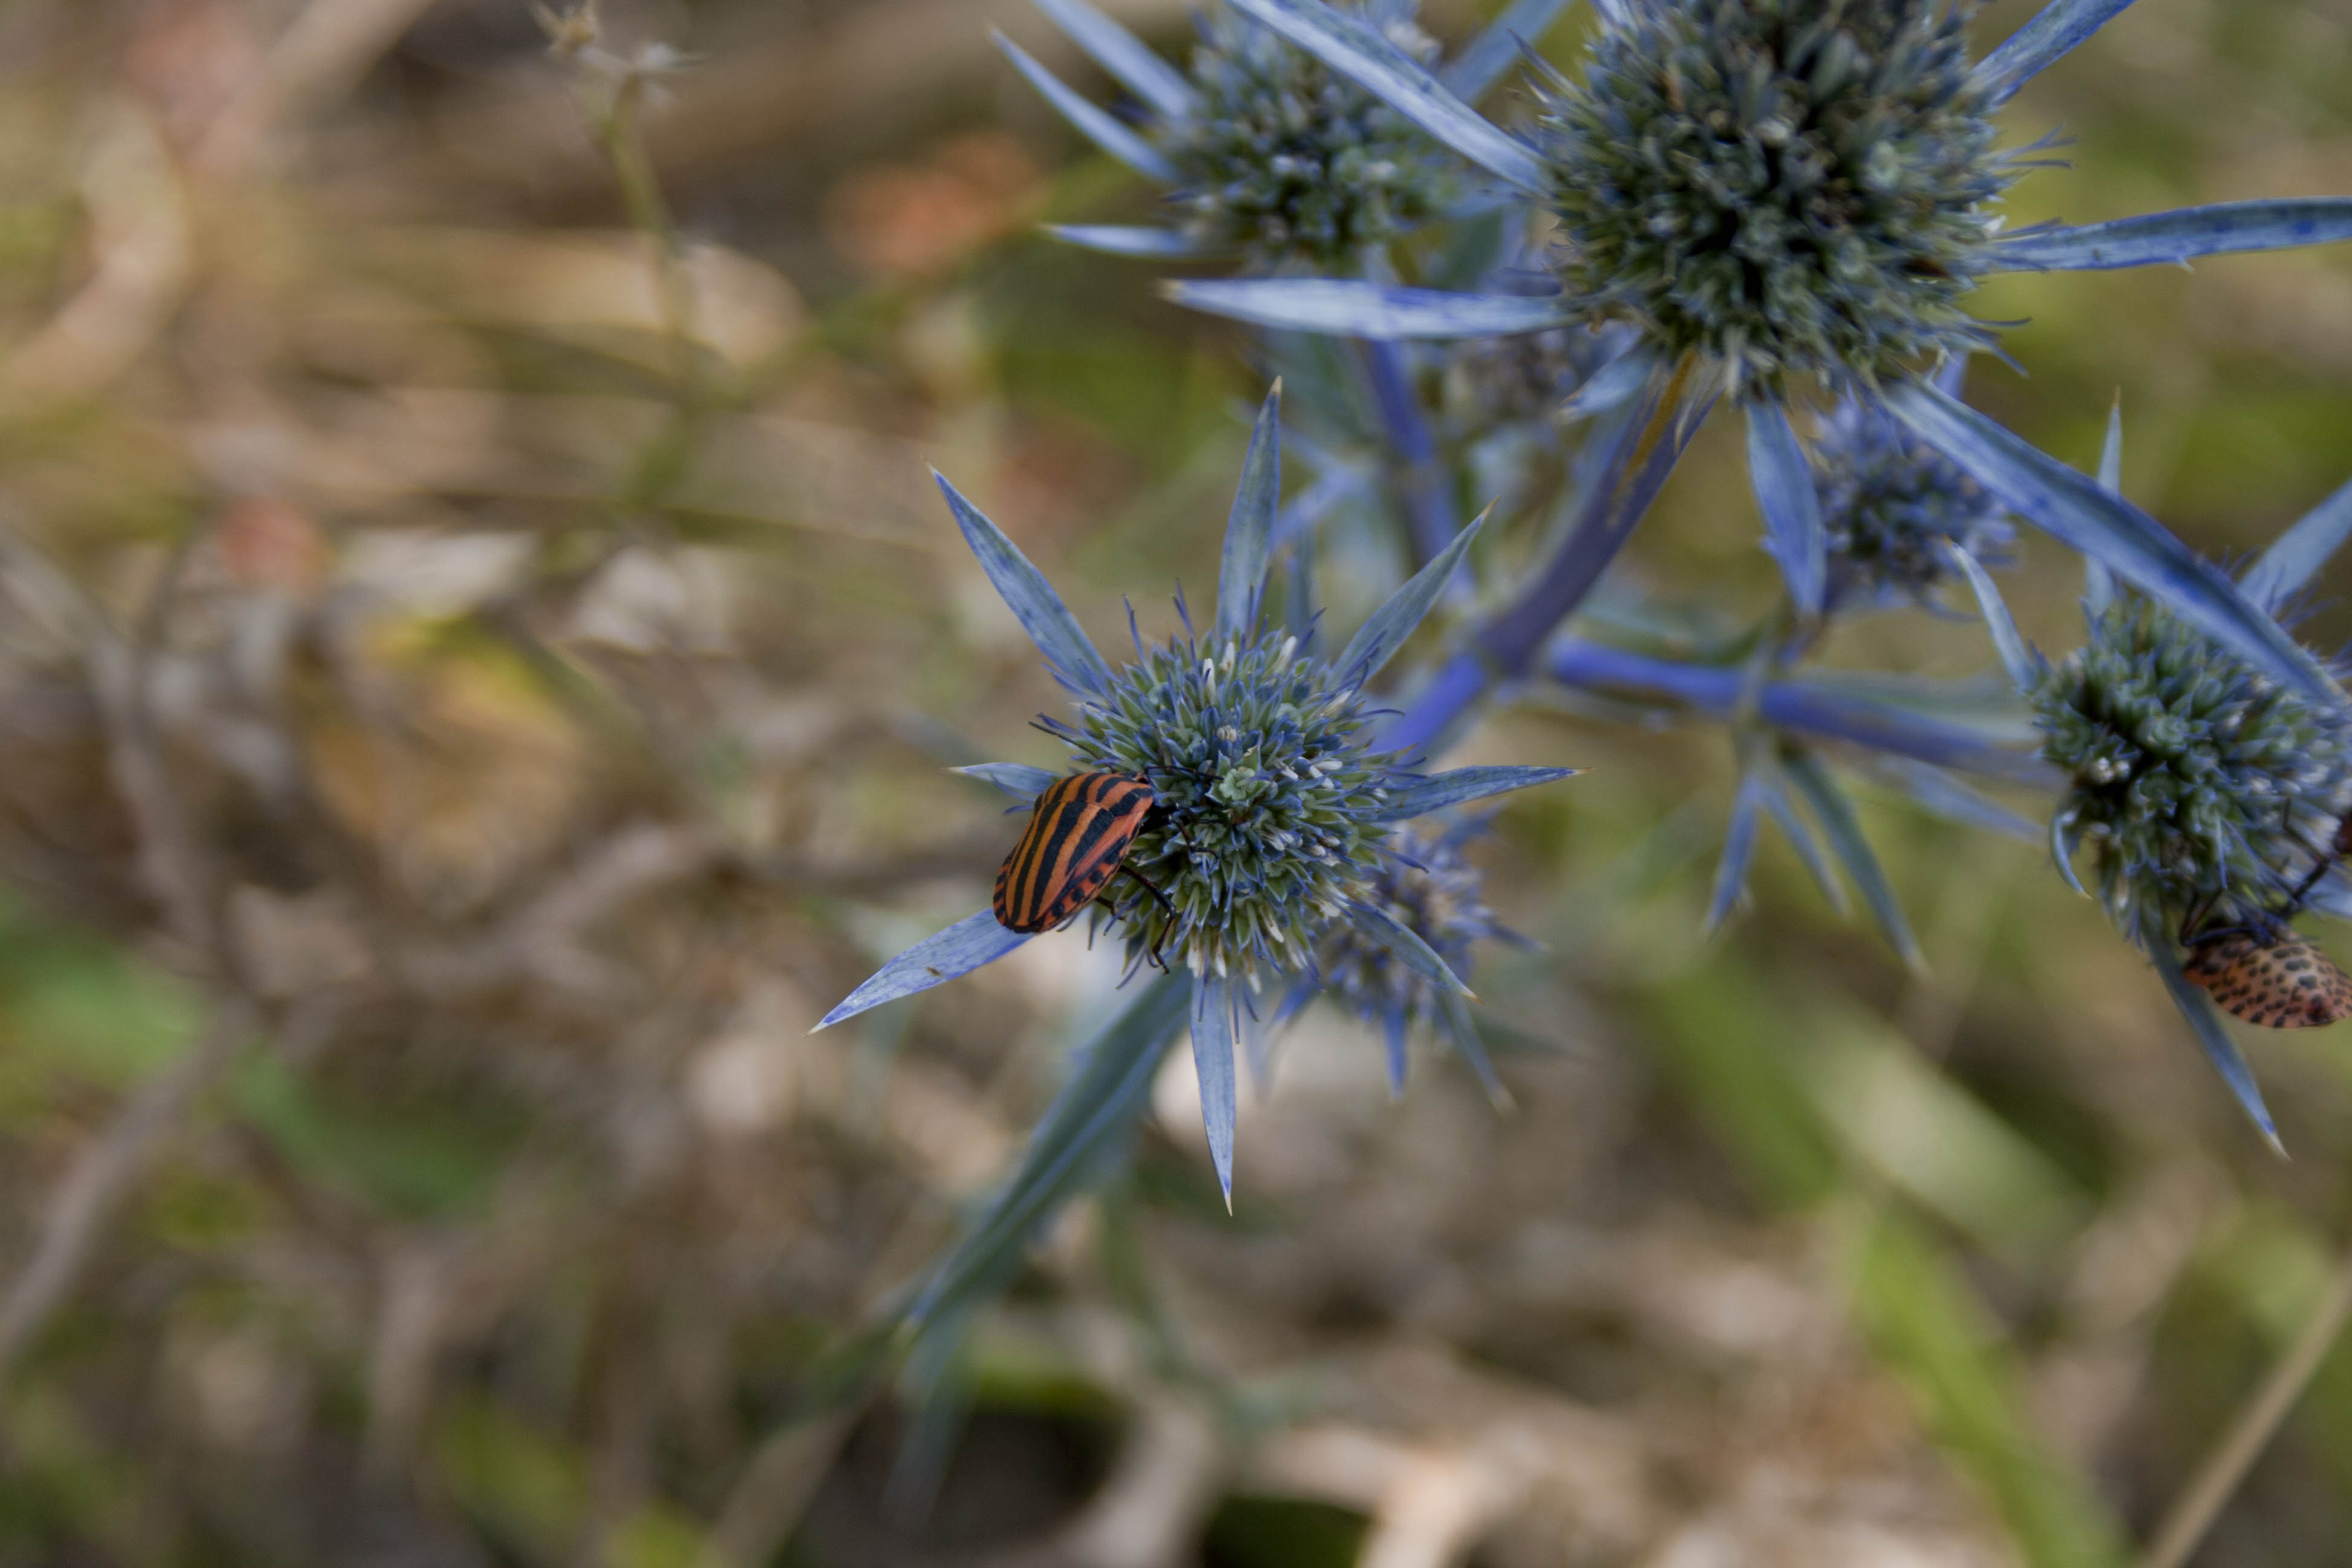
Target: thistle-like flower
x=1291, y=165
x=1793, y=189
x=1894, y=510
x=1428, y=886
x=1267, y=150
x=1272, y=799
x=1775, y=194
x=2198, y=786
x=2208, y=796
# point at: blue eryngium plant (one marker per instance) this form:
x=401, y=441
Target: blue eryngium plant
x=1265, y=151
x=1428, y=886
x=1273, y=799
x=2198, y=788
x=1774, y=195
x=1893, y=512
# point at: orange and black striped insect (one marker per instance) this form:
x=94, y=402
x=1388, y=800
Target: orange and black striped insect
x=1076, y=841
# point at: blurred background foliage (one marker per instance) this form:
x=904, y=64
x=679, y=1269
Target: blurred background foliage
x=480, y=658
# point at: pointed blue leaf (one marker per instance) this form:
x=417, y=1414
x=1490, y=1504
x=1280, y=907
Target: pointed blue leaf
x=1108, y=1087
x=1773, y=790
x=1018, y=780
x=2111, y=451
x=1462, y=1028
x=1738, y=849
x=2074, y=510
x=961, y=948
x=1351, y=309
x=1393, y=1026
x=1249, y=530
x=2151, y=239
x=1405, y=946
x=1124, y=56
x=1092, y=124
x=1792, y=507
x=2098, y=586
x=2061, y=850
x=1213, y=1061
x=2287, y=567
x=1495, y=49
x=1032, y=599
x=1951, y=799
x=2014, y=658
x=1129, y=239
x=1385, y=631
x=1458, y=788
x=1358, y=51
x=2033, y=47
x=1834, y=812
x=1613, y=384
x=2220, y=1049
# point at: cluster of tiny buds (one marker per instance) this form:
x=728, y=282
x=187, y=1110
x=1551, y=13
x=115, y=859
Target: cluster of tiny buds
x=1264, y=798
x=1294, y=164
x=1796, y=190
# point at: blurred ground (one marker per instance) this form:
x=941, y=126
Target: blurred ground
x=473, y=691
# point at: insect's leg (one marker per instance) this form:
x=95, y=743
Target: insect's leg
x=2192, y=916
x=1162, y=898
x=2322, y=862
x=1146, y=883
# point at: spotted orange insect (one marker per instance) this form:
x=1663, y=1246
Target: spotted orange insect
x=2282, y=983
x=1076, y=841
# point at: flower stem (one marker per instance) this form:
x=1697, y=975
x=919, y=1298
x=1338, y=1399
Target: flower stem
x=1430, y=512
x=1650, y=438
x=619, y=135
x=1796, y=704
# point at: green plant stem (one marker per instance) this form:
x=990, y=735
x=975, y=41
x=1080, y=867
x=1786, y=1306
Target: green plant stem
x=2193, y=1512
x=618, y=133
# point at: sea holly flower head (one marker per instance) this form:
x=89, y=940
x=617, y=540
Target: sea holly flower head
x=1267, y=799
x=1427, y=885
x=1894, y=510
x=2196, y=785
x=1265, y=149
x=1797, y=190
x=1272, y=797
x=2207, y=795
x=1293, y=165
x=1768, y=192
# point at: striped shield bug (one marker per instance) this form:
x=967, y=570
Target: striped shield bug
x=1076, y=841
x=2279, y=980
